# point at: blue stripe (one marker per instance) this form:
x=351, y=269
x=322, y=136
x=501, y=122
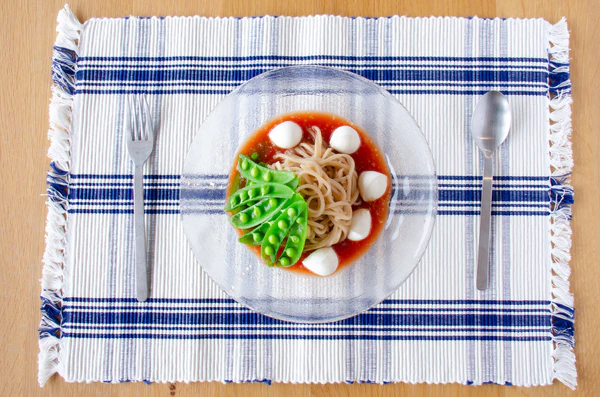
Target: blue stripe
x=147, y=203
x=497, y=195
x=231, y=85
x=497, y=178
x=539, y=205
x=496, y=213
x=130, y=176
x=130, y=211
x=495, y=185
x=143, y=308
x=302, y=328
x=225, y=92
x=315, y=57
x=113, y=194
x=383, y=66
x=373, y=74
x=385, y=302
x=124, y=184
x=250, y=318
x=313, y=337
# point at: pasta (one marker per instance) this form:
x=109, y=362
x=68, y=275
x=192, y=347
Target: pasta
x=329, y=184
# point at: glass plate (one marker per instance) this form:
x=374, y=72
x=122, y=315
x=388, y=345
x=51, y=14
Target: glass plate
x=284, y=294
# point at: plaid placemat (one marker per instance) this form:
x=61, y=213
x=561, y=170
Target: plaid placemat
x=437, y=327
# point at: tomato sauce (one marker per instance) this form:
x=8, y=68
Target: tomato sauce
x=368, y=157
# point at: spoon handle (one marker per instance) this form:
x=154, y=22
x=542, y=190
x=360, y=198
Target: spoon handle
x=485, y=225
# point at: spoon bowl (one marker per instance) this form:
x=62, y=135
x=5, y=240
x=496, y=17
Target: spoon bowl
x=491, y=121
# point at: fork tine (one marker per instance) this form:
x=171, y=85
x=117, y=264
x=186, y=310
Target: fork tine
x=139, y=134
x=133, y=118
x=148, y=126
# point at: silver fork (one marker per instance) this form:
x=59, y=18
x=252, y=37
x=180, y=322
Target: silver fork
x=140, y=143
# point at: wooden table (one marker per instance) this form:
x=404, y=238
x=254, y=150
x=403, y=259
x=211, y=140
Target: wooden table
x=27, y=36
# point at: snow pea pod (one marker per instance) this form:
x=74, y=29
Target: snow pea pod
x=295, y=241
x=258, y=173
x=256, y=192
x=280, y=228
x=293, y=184
x=259, y=212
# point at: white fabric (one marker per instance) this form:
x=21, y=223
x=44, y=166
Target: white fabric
x=437, y=327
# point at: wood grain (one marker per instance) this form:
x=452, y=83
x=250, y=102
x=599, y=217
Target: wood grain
x=27, y=33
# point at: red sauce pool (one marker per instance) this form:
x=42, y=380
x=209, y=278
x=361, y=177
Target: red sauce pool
x=368, y=157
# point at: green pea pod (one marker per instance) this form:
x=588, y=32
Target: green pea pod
x=255, y=236
x=256, y=192
x=258, y=213
x=280, y=228
x=258, y=173
x=295, y=241
x=293, y=184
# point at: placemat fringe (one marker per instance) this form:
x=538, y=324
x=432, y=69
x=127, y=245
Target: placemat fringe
x=53, y=273
x=561, y=194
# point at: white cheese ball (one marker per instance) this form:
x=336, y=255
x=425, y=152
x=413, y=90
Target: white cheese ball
x=286, y=135
x=360, y=226
x=345, y=139
x=323, y=261
x=372, y=185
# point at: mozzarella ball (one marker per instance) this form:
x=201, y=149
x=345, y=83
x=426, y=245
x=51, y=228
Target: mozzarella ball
x=372, y=185
x=323, y=261
x=286, y=135
x=345, y=139
x=360, y=226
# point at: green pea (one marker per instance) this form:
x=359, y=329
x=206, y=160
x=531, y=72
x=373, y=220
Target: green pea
x=245, y=165
x=254, y=156
x=267, y=177
x=265, y=190
x=282, y=224
x=284, y=261
x=291, y=212
x=243, y=196
x=272, y=239
x=269, y=250
x=254, y=172
x=257, y=237
x=273, y=202
x=257, y=211
x=244, y=218
x=233, y=200
x=294, y=239
x=290, y=252
x=298, y=220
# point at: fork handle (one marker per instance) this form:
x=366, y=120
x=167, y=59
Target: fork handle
x=141, y=265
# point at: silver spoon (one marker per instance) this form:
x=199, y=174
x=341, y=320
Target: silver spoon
x=490, y=126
